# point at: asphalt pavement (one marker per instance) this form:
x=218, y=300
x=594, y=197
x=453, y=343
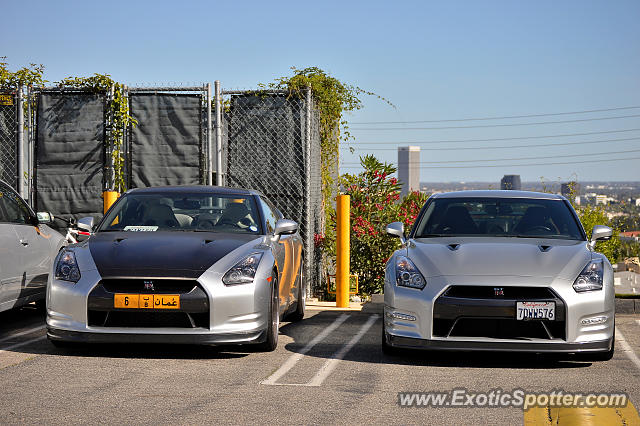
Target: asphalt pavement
x=328, y=368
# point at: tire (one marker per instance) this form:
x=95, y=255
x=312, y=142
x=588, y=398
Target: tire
x=386, y=348
x=271, y=342
x=298, y=314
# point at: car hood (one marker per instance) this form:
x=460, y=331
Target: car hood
x=161, y=254
x=477, y=256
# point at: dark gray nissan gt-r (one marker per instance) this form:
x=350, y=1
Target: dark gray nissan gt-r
x=188, y=264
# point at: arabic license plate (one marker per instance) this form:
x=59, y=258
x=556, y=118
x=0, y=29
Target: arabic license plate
x=535, y=310
x=146, y=301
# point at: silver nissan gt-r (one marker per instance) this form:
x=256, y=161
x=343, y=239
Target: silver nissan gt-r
x=499, y=270
x=189, y=264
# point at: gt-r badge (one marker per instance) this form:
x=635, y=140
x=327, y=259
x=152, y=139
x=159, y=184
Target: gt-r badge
x=148, y=285
x=498, y=291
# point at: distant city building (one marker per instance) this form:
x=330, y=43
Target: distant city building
x=409, y=169
x=638, y=202
x=604, y=200
x=511, y=182
x=570, y=190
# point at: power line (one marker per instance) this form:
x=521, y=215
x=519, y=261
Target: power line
x=524, y=158
x=464, y=148
x=499, y=117
x=479, y=126
x=562, y=135
x=518, y=165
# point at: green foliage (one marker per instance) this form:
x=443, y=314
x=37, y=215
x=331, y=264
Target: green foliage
x=120, y=118
x=332, y=98
x=373, y=206
x=591, y=216
x=629, y=249
x=31, y=75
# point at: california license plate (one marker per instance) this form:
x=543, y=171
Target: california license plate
x=535, y=310
x=146, y=301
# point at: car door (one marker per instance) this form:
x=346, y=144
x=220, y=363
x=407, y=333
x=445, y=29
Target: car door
x=33, y=248
x=282, y=251
x=10, y=277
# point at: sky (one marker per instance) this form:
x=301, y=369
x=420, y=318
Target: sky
x=435, y=61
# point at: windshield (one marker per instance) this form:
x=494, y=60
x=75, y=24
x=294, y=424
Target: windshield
x=504, y=217
x=148, y=212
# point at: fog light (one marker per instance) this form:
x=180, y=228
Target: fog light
x=594, y=320
x=400, y=316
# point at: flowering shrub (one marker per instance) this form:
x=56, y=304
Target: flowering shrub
x=410, y=207
x=374, y=195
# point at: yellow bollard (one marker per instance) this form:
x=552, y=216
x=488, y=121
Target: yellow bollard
x=343, y=250
x=109, y=197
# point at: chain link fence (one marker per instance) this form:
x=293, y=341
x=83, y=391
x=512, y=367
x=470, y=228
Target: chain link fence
x=8, y=138
x=273, y=143
x=268, y=141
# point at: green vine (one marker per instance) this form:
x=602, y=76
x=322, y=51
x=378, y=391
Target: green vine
x=332, y=99
x=120, y=117
x=26, y=76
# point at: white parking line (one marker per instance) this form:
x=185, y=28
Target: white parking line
x=332, y=362
x=17, y=345
x=288, y=365
x=22, y=333
x=626, y=348
x=638, y=322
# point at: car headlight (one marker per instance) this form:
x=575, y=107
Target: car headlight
x=407, y=275
x=590, y=278
x=244, y=271
x=67, y=267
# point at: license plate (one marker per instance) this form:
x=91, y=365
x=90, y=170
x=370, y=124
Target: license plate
x=146, y=301
x=535, y=310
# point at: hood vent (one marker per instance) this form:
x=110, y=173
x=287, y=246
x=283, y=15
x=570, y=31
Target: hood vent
x=544, y=248
x=453, y=247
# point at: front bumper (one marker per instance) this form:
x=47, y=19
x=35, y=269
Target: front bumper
x=434, y=318
x=56, y=334
x=499, y=345
x=233, y=314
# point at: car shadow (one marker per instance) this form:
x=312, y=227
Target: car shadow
x=369, y=348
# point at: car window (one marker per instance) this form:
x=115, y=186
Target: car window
x=270, y=216
x=12, y=208
x=509, y=217
x=170, y=211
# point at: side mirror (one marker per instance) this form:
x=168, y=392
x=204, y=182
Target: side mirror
x=285, y=227
x=44, y=217
x=396, y=229
x=85, y=224
x=600, y=233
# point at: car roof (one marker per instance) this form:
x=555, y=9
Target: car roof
x=200, y=189
x=499, y=194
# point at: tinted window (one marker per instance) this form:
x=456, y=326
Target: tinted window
x=509, y=217
x=270, y=216
x=12, y=208
x=183, y=212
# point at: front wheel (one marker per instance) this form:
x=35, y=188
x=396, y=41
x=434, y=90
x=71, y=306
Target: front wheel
x=271, y=342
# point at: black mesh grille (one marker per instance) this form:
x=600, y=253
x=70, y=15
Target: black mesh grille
x=148, y=319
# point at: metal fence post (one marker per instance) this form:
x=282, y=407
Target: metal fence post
x=20, y=142
x=209, y=176
x=309, y=243
x=218, y=125
x=30, y=145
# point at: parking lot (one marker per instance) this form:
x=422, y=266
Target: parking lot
x=328, y=368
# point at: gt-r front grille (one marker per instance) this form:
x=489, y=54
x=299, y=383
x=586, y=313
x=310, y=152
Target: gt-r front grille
x=483, y=292
x=488, y=311
x=139, y=285
x=192, y=311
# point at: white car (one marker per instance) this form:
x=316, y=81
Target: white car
x=27, y=249
x=499, y=270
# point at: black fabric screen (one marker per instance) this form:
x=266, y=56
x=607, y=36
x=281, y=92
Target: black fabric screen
x=165, y=144
x=70, y=154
